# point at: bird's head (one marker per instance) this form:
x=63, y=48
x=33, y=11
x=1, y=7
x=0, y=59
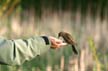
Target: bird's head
x=60, y=34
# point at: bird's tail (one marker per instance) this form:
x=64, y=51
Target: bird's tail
x=74, y=49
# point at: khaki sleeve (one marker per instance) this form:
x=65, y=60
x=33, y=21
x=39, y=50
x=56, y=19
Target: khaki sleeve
x=16, y=52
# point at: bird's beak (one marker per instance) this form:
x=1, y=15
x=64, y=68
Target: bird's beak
x=58, y=36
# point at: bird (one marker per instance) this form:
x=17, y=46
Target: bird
x=69, y=40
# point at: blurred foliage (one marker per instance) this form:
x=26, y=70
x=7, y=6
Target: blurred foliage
x=94, y=53
x=7, y=7
x=97, y=9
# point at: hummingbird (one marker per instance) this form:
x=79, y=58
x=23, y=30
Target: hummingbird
x=68, y=39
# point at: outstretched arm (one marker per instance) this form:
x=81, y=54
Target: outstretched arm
x=16, y=52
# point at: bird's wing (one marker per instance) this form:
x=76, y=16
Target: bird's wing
x=70, y=38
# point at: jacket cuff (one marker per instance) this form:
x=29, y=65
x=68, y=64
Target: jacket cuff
x=47, y=42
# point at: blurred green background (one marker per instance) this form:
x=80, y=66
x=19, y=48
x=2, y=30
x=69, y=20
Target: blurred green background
x=86, y=20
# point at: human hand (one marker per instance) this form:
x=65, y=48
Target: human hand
x=56, y=43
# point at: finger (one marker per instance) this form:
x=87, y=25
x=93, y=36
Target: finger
x=55, y=45
x=62, y=44
x=55, y=39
